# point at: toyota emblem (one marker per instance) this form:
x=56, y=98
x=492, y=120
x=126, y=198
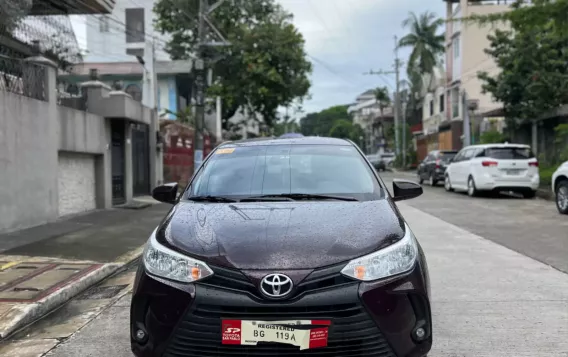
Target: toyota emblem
x=276, y=285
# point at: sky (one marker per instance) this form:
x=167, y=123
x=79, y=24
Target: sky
x=344, y=39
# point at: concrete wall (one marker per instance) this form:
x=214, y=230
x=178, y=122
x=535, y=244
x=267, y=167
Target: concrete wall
x=56, y=161
x=28, y=162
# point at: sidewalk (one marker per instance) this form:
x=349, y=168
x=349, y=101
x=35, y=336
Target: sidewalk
x=43, y=267
x=487, y=300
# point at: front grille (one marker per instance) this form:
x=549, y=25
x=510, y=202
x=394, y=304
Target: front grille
x=351, y=334
x=319, y=279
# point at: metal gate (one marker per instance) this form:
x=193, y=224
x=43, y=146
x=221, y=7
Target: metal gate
x=140, y=159
x=117, y=159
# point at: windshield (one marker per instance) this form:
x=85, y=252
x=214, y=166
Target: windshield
x=446, y=156
x=510, y=153
x=283, y=169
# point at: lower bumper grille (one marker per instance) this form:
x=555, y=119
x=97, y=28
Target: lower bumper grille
x=351, y=334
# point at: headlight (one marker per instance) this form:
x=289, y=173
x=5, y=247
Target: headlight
x=166, y=263
x=395, y=259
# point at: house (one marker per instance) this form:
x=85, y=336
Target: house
x=438, y=137
x=126, y=32
x=68, y=152
x=366, y=112
x=465, y=56
x=173, y=81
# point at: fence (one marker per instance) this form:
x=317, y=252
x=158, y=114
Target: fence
x=21, y=77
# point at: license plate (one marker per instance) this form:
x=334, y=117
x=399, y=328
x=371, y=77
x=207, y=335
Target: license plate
x=245, y=332
x=512, y=171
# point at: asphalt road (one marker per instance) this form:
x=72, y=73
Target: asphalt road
x=488, y=301
x=532, y=227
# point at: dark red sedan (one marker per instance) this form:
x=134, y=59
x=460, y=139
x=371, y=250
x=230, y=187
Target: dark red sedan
x=283, y=247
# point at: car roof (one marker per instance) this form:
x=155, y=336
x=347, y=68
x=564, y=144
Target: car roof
x=306, y=140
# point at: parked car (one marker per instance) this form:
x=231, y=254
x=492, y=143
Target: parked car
x=385, y=160
x=303, y=253
x=494, y=167
x=374, y=159
x=433, y=167
x=560, y=187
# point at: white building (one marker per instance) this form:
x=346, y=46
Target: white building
x=120, y=36
x=367, y=113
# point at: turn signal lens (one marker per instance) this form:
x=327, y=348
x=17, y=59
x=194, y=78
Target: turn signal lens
x=359, y=272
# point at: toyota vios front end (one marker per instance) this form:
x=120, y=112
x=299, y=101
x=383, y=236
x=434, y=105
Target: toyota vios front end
x=273, y=276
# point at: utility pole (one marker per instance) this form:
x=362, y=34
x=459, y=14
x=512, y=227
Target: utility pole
x=466, y=121
x=397, y=65
x=200, y=73
x=396, y=107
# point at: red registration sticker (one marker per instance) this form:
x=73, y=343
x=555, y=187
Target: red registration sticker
x=245, y=332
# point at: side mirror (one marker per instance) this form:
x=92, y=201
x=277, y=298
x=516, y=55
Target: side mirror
x=405, y=190
x=166, y=193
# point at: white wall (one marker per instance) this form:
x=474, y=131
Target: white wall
x=76, y=183
x=111, y=46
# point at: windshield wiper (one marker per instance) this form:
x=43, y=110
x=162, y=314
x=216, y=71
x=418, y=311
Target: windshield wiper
x=210, y=198
x=307, y=196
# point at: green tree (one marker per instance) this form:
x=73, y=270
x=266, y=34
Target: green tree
x=344, y=129
x=491, y=137
x=341, y=129
x=321, y=123
x=529, y=14
x=184, y=116
x=426, y=40
x=265, y=65
x=383, y=98
x=533, y=77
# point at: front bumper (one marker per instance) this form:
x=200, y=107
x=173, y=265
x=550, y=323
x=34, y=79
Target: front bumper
x=368, y=319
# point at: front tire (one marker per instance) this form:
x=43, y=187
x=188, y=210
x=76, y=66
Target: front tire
x=448, y=184
x=420, y=179
x=562, y=197
x=471, y=189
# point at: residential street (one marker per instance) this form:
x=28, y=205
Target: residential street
x=487, y=300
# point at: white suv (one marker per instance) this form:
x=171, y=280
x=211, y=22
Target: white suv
x=560, y=187
x=494, y=167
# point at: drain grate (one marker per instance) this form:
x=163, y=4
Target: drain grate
x=102, y=292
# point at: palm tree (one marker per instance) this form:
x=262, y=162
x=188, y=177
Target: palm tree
x=425, y=39
x=383, y=100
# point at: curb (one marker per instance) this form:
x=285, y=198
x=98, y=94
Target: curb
x=545, y=194
x=26, y=314
x=22, y=315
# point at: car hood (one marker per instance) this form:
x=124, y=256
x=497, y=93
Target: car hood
x=281, y=235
